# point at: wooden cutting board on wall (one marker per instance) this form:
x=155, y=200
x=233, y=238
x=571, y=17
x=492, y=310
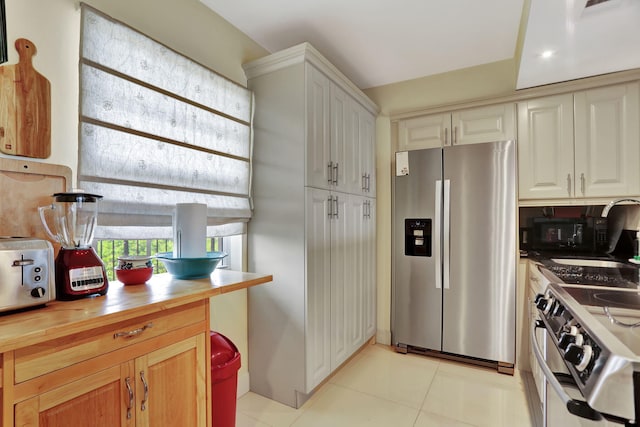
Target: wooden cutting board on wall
x=25, y=107
x=24, y=186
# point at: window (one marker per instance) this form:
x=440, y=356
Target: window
x=110, y=250
x=157, y=129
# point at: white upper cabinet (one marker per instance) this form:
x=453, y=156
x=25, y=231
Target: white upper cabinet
x=582, y=145
x=361, y=158
x=545, y=147
x=341, y=144
x=423, y=132
x=607, y=141
x=484, y=124
x=471, y=126
x=319, y=163
x=340, y=138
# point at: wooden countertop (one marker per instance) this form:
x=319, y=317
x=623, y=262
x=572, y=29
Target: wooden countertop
x=161, y=292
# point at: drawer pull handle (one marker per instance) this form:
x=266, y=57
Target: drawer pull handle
x=143, y=405
x=127, y=381
x=133, y=333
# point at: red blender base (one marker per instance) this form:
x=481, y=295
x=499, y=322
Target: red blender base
x=79, y=273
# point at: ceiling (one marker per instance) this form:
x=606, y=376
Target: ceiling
x=378, y=42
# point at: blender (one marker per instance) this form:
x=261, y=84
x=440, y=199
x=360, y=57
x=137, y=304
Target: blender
x=78, y=269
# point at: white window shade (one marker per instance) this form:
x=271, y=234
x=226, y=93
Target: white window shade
x=157, y=129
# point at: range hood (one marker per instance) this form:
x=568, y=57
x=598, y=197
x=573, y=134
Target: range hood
x=572, y=39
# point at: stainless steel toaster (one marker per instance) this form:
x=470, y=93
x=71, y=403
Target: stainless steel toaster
x=26, y=272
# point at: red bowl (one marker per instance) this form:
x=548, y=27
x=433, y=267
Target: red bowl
x=134, y=276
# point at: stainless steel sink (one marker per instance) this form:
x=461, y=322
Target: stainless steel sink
x=590, y=262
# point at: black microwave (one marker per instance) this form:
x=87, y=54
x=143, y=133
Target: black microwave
x=578, y=234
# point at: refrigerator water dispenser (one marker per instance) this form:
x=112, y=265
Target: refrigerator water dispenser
x=417, y=237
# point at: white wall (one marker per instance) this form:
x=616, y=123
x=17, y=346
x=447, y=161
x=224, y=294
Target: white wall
x=184, y=25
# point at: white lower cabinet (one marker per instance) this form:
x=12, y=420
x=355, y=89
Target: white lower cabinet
x=536, y=287
x=320, y=307
x=318, y=319
x=340, y=281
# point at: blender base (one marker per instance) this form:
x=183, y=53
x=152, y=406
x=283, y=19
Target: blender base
x=79, y=273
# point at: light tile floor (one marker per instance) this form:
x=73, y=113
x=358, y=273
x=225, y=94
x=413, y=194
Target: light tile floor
x=380, y=387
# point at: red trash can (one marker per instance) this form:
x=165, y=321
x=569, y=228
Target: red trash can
x=225, y=362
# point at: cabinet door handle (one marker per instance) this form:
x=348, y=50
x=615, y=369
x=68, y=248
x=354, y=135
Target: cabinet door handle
x=368, y=182
x=133, y=333
x=569, y=184
x=127, y=382
x=364, y=182
x=582, y=183
x=335, y=171
x=330, y=173
x=143, y=404
x=446, y=136
x=337, y=212
x=454, y=138
x=330, y=207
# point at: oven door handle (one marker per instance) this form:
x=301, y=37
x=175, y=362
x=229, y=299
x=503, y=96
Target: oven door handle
x=576, y=407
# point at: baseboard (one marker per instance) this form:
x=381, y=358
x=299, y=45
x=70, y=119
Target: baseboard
x=243, y=384
x=383, y=337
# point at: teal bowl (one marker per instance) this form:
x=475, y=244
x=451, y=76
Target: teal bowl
x=191, y=268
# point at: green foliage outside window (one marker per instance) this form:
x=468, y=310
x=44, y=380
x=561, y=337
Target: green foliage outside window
x=110, y=250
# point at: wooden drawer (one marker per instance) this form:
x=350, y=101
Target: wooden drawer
x=49, y=356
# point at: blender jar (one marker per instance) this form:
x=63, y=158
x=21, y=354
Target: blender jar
x=75, y=217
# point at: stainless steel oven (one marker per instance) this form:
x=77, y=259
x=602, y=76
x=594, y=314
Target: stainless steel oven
x=557, y=393
x=590, y=355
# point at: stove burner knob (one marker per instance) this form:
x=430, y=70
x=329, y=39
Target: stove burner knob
x=544, y=304
x=570, y=329
x=572, y=337
x=37, y=292
x=565, y=340
x=538, y=298
x=579, y=356
x=557, y=310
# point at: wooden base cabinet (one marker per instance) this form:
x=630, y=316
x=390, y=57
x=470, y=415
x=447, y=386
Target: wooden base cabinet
x=146, y=372
x=96, y=400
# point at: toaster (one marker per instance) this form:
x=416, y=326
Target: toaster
x=26, y=273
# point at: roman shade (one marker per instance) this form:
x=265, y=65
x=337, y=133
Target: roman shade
x=156, y=129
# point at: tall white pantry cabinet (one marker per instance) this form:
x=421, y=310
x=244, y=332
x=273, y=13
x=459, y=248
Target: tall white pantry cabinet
x=313, y=224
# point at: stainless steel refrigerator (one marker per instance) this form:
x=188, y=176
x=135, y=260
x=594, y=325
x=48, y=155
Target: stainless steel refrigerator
x=454, y=252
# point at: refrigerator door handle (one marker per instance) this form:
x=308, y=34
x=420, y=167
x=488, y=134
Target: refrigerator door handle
x=437, y=234
x=446, y=229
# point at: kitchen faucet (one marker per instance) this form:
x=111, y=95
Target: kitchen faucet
x=611, y=204
x=636, y=243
